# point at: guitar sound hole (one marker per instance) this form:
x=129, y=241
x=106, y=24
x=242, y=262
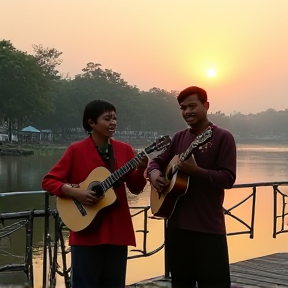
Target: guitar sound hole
x=97, y=189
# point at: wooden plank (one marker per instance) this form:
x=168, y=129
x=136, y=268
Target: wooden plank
x=259, y=278
x=275, y=270
x=266, y=271
x=249, y=270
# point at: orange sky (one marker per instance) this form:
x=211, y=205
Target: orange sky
x=167, y=44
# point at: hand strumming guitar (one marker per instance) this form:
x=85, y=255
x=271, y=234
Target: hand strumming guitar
x=86, y=197
x=157, y=180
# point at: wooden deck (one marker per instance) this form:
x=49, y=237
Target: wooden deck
x=269, y=271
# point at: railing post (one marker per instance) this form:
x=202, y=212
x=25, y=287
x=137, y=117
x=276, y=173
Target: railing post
x=29, y=249
x=253, y=212
x=45, y=242
x=274, y=211
x=166, y=267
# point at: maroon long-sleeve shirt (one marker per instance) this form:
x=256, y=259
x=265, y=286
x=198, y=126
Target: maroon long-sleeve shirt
x=200, y=208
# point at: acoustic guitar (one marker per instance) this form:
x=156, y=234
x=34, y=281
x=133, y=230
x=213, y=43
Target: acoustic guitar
x=77, y=216
x=163, y=204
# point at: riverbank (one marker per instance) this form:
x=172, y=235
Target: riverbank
x=14, y=150
x=9, y=149
x=258, y=141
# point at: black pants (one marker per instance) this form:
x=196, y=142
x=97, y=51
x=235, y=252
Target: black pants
x=102, y=266
x=198, y=257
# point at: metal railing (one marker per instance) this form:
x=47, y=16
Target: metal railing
x=52, y=248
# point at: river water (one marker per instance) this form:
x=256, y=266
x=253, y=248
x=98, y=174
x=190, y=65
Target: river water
x=256, y=163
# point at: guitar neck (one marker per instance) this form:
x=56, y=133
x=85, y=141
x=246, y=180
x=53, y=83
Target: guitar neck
x=157, y=145
x=119, y=173
x=187, y=153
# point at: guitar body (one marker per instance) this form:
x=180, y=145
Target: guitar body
x=70, y=213
x=163, y=204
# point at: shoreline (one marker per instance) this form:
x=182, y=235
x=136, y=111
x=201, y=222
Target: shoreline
x=11, y=149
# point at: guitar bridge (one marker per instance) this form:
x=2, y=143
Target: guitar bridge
x=80, y=207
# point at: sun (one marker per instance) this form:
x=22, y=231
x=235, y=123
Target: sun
x=211, y=73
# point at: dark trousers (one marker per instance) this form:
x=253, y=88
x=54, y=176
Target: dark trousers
x=198, y=257
x=102, y=266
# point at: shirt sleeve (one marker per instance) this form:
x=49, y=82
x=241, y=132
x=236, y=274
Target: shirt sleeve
x=59, y=174
x=225, y=175
x=135, y=179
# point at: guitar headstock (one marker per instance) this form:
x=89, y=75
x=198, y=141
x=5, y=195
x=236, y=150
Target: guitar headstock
x=203, y=137
x=159, y=144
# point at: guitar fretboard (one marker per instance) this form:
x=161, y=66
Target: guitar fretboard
x=115, y=176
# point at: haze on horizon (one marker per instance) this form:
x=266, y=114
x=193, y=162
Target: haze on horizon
x=167, y=44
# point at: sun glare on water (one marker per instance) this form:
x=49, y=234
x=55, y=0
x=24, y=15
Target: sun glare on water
x=211, y=73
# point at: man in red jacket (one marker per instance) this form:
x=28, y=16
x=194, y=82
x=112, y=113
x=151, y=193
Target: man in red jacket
x=196, y=237
x=99, y=255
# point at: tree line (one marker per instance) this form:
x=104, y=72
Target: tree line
x=33, y=92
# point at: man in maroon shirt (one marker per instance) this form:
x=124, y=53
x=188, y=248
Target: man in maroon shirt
x=196, y=235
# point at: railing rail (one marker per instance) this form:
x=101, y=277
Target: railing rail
x=51, y=248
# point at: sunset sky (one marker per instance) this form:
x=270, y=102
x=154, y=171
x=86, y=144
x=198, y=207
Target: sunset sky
x=167, y=44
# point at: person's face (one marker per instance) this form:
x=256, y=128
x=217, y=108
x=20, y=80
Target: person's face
x=106, y=124
x=193, y=110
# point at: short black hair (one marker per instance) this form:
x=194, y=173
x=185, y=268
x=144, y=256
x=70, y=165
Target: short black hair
x=93, y=110
x=201, y=93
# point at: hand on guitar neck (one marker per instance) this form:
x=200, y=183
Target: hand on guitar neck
x=86, y=197
x=157, y=180
x=142, y=165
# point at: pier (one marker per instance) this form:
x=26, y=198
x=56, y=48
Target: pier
x=266, y=272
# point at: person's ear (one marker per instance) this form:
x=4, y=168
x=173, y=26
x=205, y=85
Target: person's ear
x=91, y=123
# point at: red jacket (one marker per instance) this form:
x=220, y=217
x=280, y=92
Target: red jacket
x=78, y=161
